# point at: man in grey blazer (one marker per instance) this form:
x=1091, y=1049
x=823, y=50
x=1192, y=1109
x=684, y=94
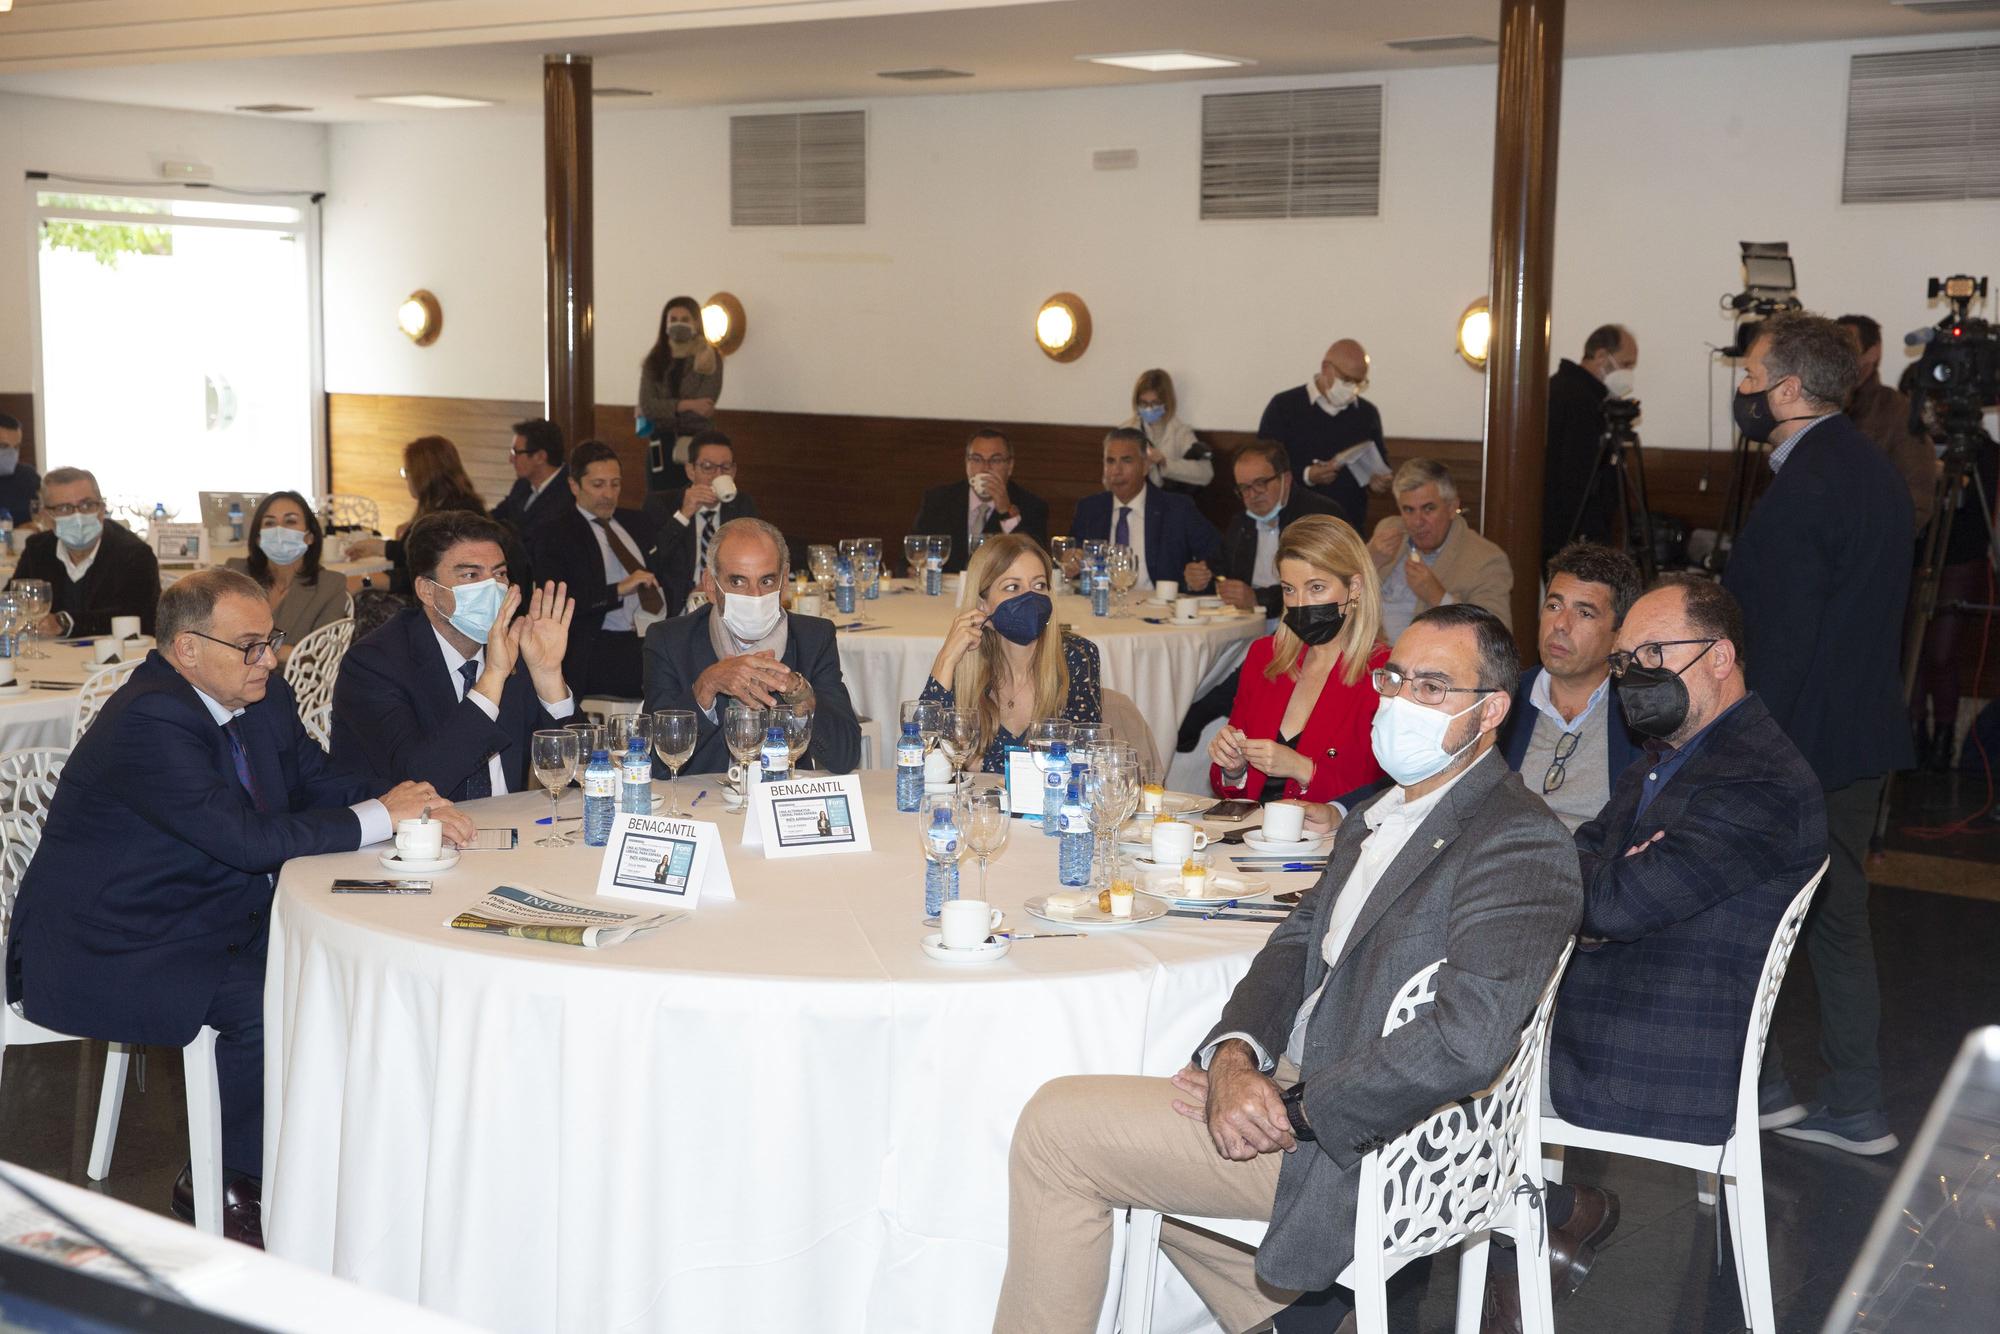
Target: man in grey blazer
x=1458, y=863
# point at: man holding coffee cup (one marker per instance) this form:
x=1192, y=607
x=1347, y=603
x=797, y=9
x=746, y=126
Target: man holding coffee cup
x=145, y=913
x=688, y=520
x=986, y=502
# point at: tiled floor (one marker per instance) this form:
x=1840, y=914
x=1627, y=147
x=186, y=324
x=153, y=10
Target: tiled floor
x=1659, y=1273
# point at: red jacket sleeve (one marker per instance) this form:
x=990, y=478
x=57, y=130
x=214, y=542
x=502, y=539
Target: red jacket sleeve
x=1335, y=737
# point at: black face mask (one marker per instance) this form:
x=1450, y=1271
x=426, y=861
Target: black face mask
x=1655, y=700
x=1756, y=418
x=1317, y=624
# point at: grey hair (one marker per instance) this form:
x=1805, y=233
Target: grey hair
x=64, y=476
x=1425, y=472
x=771, y=534
x=189, y=602
x=1821, y=352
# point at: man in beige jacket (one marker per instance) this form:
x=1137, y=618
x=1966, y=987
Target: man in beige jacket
x=1427, y=555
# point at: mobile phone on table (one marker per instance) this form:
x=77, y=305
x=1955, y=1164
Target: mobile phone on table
x=1230, y=810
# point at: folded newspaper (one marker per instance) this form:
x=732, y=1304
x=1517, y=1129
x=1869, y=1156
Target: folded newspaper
x=507, y=911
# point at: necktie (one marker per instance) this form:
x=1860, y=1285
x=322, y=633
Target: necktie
x=981, y=516
x=242, y=759
x=649, y=597
x=702, y=546
x=478, y=783
x=1123, y=537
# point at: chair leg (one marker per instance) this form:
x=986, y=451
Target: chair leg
x=110, y=1102
x=204, y=1114
x=1371, y=1295
x=1531, y=1271
x=1142, y=1258
x=1705, y=1186
x=1748, y=1239
x=1472, y=1257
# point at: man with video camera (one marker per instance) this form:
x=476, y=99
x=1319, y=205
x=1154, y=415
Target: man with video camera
x=1577, y=394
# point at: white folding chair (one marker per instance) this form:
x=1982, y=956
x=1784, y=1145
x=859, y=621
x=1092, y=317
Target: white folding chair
x=204, y=1117
x=98, y=687
x=311, y=670
x=1738, y=1160
x=353, y=512
x=1455, y=1176
x=19, y=836
x=28, y=779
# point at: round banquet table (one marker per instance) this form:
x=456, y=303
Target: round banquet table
x=44, y=715
x=1159, y=666
x=774, y=1114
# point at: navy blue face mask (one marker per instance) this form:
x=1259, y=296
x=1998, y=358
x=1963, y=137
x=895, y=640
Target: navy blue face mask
x=1023, y=617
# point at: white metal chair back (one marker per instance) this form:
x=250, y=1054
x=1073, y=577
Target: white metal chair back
x=310, y=672
x=1770, y=982
x=20, y=835
x=98, y=687
x=353, y=512
x=28, y=780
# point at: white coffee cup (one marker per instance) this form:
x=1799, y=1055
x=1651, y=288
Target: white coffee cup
x=809, y=604
x=1166, y=590
x=724, y=488
x=1173, y=840
x=1187, y=610
x=1284, y=822
x=419, y=840
x=965, y=923
x=6, y=671
x=124, y=627
x=104, y=650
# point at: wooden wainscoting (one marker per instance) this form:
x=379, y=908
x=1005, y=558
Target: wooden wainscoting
x=366, y=434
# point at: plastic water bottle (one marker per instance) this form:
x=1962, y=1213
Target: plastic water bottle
x=1055, y=780
x=600, y=798
x=635, y=788
x=843, y=587
x=940, y=863
x=160, y=510
x=235, y=520
x=777, y=756
x=7, y=529
x=909, y=768
x=1073, y=856
x=874, y=589
x=933, y=575
x=1100, y=589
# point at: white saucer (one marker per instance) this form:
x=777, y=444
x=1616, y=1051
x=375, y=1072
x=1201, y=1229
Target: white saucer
x=393, y=863
x=1301, y=847
x=1088, y=918
x=14, y=687
x=1179, y=804
x=994, y=948
x=1226, y=887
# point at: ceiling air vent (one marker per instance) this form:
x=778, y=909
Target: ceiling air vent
x=273, y=108
x=923, y=75
x=621, y=92
x=1464, y=41
x=1114, y=159
x=799, y=169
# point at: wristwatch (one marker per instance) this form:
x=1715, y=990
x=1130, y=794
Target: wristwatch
x=1295, y=1111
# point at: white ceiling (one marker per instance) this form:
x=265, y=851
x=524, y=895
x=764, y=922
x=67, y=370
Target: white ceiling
x=215, y=55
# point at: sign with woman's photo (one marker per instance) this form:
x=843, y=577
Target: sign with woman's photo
x=802, y=816
x=661, y=860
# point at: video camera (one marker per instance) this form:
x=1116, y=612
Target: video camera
x=1958, y=377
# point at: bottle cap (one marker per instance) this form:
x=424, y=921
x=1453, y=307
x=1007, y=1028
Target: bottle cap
x=597, y=755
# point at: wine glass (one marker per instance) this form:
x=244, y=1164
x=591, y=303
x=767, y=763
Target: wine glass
x=555, y=759
x=926, y=714
x=37, y=596
x=941, y=853
x=986, y=822
x=798, y=725
x=589, y=737
x=621, y=729
x=1060, y=551
x=913, y=556
x=674, y=734
x=743, y=732
x=959, y=730
x=1111, y=786
x=937, y=554
x=822, y=559
x=1043, y=735
x=1122, y=563
x=868, y=566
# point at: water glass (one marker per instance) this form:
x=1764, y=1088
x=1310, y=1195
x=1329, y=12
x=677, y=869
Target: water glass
x=554, y=757
x=986, y=822
x=675, y=732
x=959, y=730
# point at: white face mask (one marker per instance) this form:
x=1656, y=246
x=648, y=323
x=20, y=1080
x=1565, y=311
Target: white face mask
x=751, y=617
x=1408, y=739
x=1339, y=393
x=1618, y=382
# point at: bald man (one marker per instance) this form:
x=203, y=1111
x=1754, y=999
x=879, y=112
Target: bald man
x=1334, y=435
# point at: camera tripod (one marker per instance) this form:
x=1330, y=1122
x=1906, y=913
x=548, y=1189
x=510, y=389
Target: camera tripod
x=1620, y=465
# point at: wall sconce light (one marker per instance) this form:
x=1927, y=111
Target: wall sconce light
x=723, y=322
x=421, y=318
x=1062, y=327
x=1475, y=332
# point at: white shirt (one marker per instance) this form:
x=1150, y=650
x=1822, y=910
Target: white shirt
x=374, y=816
x=1538, y=695
x=1399, y=603
x=453, y=660
x=78, y=566
x=1323, y=403
x=977, y=510
x=1135, y=530
x=535, y=492
x=619, y=617
x=1264, y=570
x=1390, y=823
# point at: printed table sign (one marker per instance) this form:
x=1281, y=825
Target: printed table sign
x=803, y=816
x=659, y=860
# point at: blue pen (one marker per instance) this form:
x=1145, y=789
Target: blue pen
x=697, y=798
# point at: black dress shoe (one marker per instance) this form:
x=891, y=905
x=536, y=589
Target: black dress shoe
x=242, y=1206
x=1572, y=1251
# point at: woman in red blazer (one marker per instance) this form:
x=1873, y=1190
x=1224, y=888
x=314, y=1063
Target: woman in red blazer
x=1304, y=702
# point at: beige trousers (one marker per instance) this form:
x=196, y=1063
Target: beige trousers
x=1088, y=1145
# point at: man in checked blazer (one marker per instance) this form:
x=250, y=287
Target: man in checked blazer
x=1686, y=873
x=1459, y=865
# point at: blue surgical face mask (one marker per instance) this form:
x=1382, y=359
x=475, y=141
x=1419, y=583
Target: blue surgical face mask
x=1408, y=739
x=1152, y=413
x=283, y=545
x=77, y=531
x=1022, y=618
x=477, y=607
x=10, y=459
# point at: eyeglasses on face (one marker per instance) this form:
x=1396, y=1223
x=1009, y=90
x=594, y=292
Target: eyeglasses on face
x=1653, y=655
x=80, y=507
x=251, y=651
x=1257, y=484
x=1390, y=683
x=710, y=468
x=990, y=460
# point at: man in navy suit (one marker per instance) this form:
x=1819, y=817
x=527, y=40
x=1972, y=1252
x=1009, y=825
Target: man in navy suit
x=144, y=914
x=689, y=518
x=1686, y=873
x=450, y=691
x=1566, y=733
x=603, y=554
x=745, y=648
x=538, y=493
x=1822, y=570
x=986, y=500
x=1164, y=527
x=1246, y=571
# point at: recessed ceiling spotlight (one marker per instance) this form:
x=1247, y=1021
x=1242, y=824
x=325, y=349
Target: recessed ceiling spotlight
x=428, y=101
x=621, y=92
x=1168, y=62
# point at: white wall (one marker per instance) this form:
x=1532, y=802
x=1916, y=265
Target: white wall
x=981, y=205
x=98, y=139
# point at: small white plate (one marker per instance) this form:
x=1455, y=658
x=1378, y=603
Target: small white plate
x=994, y=948
x=394, y=864
x=1303, y=847
x=14, y=687
x=1180, y=804
x=1226, y=887
x=1088, y=918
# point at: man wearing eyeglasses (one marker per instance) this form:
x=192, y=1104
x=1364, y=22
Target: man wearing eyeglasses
x=96, y=568
x=1566, y=734
x=688, y=520
x=536, y=497
x=986, y=501
x=145, y=913
x=1246, y=570
x=1459, y=867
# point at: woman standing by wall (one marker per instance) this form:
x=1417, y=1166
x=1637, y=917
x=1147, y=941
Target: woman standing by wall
x=679, y=383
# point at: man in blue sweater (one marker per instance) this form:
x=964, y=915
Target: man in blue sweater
x=1333, y=435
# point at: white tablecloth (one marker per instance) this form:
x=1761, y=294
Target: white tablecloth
x=44, y=717
x=1159, y=666
x=779, y=1115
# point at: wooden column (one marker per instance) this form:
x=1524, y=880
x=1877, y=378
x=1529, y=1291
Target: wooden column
x=1527, y=113
x=570, y=389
